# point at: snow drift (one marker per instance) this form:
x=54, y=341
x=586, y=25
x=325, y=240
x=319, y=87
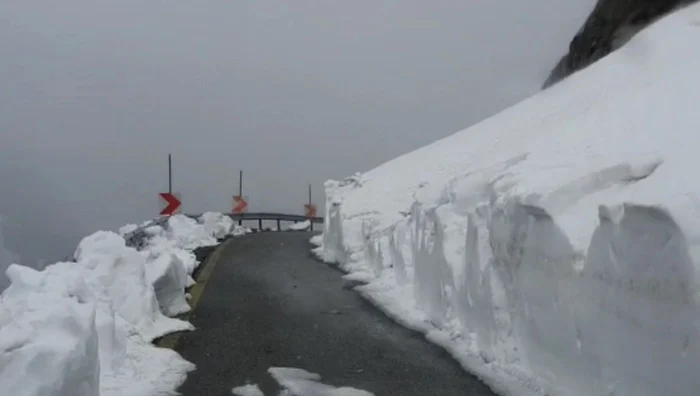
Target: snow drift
x=552, y=248
x=84, y=328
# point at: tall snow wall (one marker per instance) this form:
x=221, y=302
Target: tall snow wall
x=553, y=248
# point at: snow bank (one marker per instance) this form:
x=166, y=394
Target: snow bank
x=59, y=335
x=47, y=328
x=217, y=225
x=170, y=261
x=552, y=248
x=84, y=328
x=122, y=272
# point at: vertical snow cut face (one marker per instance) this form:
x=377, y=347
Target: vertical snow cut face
x=553, y=248
x=85, y=328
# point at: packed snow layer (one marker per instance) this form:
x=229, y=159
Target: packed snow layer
x=552, y=248
x=84, y=328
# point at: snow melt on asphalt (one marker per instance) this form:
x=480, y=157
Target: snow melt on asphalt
x=553, y=248
x=299, y=382
x=247, y=390
x=85, y=328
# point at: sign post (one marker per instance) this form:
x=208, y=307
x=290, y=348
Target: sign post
x=240, y=203
x=310, y=210
x=170, y=198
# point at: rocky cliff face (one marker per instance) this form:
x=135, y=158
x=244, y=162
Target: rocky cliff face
x=610, y=25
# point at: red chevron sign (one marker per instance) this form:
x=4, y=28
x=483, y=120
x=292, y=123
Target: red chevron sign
x=240, y=204
x=173, y=204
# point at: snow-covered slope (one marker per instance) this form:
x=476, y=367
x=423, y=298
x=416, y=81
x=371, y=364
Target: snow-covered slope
x=554, y=247
x=84, y=328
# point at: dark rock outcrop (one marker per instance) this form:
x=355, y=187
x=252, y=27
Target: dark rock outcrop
x=609, y=26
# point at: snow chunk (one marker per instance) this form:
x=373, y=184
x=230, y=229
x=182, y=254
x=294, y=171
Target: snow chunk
x=189, y=234
x=121, y=270
x=169, y=277
x=48, y=341
x=217, y=225
x=301, y=226
x=247, y=390
x=299, y=382
x=316, y=240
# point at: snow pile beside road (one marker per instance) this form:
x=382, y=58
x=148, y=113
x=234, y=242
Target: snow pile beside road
x=84, y=328
x=301, y=226
x=216, y=224
x=122, y=272
x=171, y=263
x=47, y=328
x=553, y=248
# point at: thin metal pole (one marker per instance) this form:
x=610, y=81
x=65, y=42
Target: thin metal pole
x=310, y=219
x=170, y=173
x=240, y=192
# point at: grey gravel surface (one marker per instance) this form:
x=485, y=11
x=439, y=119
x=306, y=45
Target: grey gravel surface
x=269, y=303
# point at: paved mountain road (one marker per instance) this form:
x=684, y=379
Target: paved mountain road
x=269, y=303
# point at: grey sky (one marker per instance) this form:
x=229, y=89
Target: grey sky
x=94, y=94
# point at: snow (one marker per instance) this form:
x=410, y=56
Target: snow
x=553, y=248
x=85, y=327
x=216, y=224
x=247, y=390
x=316, y=240
x=300, y=226
x=299, y=382
x=122, y=272
x=126, y=229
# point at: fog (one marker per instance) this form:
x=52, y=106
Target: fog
x=94, y=94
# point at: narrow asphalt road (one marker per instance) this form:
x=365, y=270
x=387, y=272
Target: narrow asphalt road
x=269, y=303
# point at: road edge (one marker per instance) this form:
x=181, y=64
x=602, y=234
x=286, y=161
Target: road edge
x=171, y=340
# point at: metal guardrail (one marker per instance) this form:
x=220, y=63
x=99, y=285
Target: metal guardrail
x=278, y=217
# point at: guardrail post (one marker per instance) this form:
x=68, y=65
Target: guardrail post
x=279, y=225
x=260, y=224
